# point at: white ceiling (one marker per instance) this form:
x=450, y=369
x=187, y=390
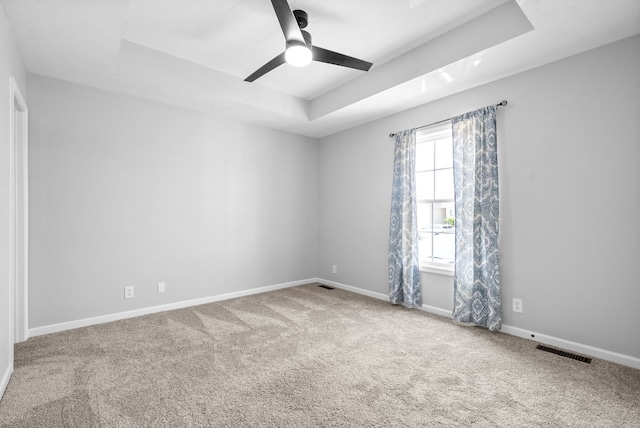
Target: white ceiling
x=196, y=53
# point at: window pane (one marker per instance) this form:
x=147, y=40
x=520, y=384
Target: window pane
x=424, y=156
x=444, y=233
x=439, y=215
x=443, y=211
x=425, y=220
x=444, y=153
x=425, y=245
x=424, y=216
x=424, y=185
x=444, y=184
x=444, y=247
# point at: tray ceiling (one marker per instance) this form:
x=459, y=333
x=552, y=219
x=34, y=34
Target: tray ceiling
x=196, y=53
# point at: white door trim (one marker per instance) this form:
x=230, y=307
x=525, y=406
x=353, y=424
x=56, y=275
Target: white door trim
x=19, y=211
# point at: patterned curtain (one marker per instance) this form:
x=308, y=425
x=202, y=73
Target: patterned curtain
x=404, y=267
x=477, y=298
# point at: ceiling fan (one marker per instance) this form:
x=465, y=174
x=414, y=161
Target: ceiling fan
x=299, y=50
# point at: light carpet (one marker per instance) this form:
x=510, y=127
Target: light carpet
x=307, y=357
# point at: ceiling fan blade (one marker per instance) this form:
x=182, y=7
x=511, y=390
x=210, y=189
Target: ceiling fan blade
x=279, y=60
x=288, y=22
x=330, y=57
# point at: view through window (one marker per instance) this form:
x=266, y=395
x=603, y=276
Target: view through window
x=435, y=197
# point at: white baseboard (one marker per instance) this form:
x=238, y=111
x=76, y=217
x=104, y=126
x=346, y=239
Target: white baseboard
x=54, y=328
x=4, y=381
x=357, y=290
x=380, y=296
x=591, y=351
x=437, y=311
x=603, y=354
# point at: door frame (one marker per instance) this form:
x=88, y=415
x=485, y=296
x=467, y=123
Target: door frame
x=19, y=212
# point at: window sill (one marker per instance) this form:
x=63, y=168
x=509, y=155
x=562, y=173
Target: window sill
x=438, y=270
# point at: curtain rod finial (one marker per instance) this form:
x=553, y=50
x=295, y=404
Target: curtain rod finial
x=502, y=103
x=392, y=135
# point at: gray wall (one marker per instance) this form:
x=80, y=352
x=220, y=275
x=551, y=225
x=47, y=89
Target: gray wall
x=10, y=66
x=132, y=192
x=570, y=197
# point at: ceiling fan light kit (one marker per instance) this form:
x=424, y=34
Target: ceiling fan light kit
x=299, y=48
x=298, y=55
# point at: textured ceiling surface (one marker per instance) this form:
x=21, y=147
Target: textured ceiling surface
x=196, y=53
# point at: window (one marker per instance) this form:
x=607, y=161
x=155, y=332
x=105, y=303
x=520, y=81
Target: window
x=435, y=198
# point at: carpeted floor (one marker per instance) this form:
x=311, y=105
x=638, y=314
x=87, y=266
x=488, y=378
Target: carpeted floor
x=307, y=357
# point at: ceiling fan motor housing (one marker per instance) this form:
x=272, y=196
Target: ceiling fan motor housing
x=301, y=18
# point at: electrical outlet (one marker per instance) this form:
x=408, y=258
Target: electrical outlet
x=128, y=292
x=335, y=269
x=161, y=287
x=517, y=305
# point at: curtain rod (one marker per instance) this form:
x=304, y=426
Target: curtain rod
x=500, y=104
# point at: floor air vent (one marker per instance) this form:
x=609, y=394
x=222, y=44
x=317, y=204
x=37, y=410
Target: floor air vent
x=564, y=354
x=326, y=287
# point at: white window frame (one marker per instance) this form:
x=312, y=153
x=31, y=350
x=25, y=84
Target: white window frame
x=434, y=132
